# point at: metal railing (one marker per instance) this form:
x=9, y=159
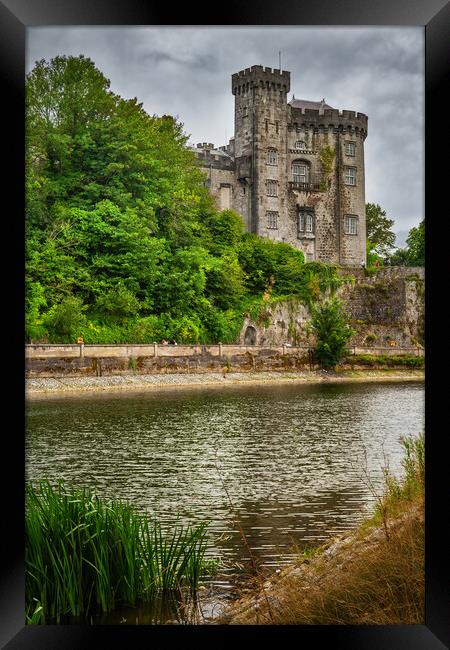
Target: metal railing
x=313, y=186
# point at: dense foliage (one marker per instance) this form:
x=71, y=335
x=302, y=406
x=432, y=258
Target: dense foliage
x=414, y=253
x=332, y=331
x=378, y=230
x=124, y=243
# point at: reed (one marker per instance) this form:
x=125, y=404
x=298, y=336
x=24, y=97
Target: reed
x=85, y=556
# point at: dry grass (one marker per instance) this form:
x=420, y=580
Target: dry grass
x=363, y=578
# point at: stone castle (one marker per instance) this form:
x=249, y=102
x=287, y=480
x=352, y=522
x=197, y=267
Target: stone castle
x=294, y=170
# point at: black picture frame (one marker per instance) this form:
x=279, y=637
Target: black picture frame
x=15, y=16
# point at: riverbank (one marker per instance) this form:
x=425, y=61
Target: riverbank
x=38, y=388
x=371, y=576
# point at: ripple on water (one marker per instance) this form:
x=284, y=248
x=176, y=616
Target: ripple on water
x=294, y=460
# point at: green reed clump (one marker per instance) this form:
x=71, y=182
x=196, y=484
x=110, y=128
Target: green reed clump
x=84, y=555
x=399, y=492
x=413, y=462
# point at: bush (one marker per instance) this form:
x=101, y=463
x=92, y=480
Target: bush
x=118, y=302
x=332, y=331
x=65, y=320
x=34, y=301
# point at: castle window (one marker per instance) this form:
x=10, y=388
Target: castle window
x=350, y=175
x=272, y=220
x=272, y=157
x=351, y=224
x=350, y=148
x=300, y=144
x=305, y=222
x=272, y=188
x=300, y=172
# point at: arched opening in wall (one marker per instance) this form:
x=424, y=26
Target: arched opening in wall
x=250, y=336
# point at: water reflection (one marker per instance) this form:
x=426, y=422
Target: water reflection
x=294, y=462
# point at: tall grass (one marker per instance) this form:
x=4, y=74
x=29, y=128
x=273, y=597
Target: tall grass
x=398, y=493
x=85, y=556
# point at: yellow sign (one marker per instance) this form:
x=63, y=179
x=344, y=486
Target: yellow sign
x=80, y=339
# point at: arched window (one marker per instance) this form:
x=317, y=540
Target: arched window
x=300, y=171
x=272, y=157
x=306, y=222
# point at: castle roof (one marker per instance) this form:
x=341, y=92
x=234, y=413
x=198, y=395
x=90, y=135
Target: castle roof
x=208, y=147
x=306, y=103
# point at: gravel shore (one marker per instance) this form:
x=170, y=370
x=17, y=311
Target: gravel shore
x=63, y=386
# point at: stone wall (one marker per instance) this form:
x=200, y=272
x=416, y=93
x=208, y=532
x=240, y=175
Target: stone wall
x=388, y=306
x=101, y=360
x=386, y=309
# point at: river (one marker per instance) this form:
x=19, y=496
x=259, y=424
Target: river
x=297, y=463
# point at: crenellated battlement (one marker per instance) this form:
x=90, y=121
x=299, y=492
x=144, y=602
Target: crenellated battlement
x=261, y=77
x=329, y=118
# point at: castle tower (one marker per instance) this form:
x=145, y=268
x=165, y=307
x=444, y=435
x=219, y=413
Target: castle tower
x=296, y=170
x=261, y=114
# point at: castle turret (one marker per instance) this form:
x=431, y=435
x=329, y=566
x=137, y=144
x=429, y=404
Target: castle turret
x=261, y=112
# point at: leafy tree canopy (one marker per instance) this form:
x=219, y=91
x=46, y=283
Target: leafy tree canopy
x=414, y=253
x=379, y=232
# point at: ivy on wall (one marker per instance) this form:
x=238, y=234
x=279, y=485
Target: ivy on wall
x=327, y=155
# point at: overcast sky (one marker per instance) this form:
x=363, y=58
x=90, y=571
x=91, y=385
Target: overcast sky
x=186, y=72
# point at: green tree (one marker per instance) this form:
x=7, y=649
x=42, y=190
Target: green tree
x=416, y=245
x=374, y=260
x=332, y=330
x=225, y=281
x=118, y=302
x=65, y=320
x=414, y=253
x=399, y=257
x=378, y=229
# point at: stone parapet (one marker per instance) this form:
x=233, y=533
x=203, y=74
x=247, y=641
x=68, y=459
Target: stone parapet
x=260, y=76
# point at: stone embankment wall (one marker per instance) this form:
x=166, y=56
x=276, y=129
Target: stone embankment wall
x=100, y=360
x=384, y=309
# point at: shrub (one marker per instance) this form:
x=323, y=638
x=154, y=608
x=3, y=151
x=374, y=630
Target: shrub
x=65, y=319
x=118, y=302
x=332, y=331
